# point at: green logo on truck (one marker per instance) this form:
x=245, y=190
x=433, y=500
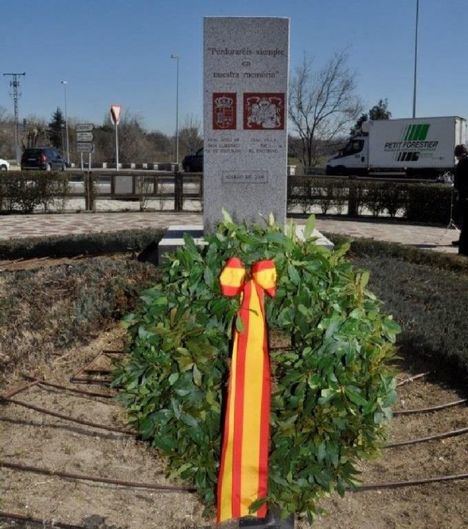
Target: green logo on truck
x=416, y=132
x=413, y=142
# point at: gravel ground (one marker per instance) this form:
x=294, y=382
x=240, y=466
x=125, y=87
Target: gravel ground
x=39, y=440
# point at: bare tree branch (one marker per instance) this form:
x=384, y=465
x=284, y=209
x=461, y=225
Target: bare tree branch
x=322, y=105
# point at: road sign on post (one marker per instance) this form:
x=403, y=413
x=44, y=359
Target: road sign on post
x=115, y=114
x=115, y=117
x=84, y=146
x=84, y=127
x=84, y=137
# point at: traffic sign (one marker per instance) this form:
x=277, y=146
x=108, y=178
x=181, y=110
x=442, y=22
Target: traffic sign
x=115, y=114
x=84, y=136
x=84, y=127
x=85, y=147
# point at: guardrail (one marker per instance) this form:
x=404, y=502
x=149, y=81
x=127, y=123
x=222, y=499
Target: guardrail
x=137, y=185
x=415, y=201
x=25, y=192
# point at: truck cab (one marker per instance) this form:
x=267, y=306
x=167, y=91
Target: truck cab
x=353, y=158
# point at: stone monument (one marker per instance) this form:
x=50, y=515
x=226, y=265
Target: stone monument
x=246, y=64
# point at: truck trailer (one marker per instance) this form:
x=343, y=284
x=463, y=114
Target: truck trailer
x=415, y=146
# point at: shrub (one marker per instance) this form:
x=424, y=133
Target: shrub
x=332, y=389
x=25, y=192
x=362, y=247
x=83, y=244
x=428, y=203
x=48, y=309
x=417, y=202
x=429, y=305
x=427, y=291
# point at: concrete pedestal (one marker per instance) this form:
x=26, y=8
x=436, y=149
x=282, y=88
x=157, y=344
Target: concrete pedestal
x=174, y=238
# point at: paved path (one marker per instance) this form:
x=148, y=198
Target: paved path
x=13, y=226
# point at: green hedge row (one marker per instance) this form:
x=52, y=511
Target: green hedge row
x=73, y=245
x=24, y=192
x=48, y=309
x=416, y=202
x=430, y=306
x=426, y=291
x=371, y=248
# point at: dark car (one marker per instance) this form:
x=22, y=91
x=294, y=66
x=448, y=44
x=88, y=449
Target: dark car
x=193, y=163
x=45, y=158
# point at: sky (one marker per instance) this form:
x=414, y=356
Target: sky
x=118, y=52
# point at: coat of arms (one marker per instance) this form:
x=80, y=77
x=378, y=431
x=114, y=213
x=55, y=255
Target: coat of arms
x=224, y=110
x=263, y=111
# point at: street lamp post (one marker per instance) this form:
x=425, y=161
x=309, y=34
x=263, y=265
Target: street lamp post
x=415, y=58
x=64, y=83
x=176, y=57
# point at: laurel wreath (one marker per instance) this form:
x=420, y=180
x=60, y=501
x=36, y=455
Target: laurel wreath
x=332, y=387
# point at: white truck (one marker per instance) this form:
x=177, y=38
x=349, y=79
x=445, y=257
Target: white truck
x=416, y=146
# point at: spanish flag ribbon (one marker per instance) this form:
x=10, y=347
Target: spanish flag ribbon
x=243, y=474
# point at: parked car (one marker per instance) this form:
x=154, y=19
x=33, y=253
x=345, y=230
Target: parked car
x=45, y=158
x=4, y=165
x=193, y=163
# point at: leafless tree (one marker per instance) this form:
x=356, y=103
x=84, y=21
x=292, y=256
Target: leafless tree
x=190, y=137
x=322, y=105
x=7, y=134
x=35, y=132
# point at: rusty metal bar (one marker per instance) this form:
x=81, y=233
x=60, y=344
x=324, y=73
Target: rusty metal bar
x=410, y=483
x=98, y=370
x=84, y=380
x=87, y=368
x=442, y=435
x=41, y=382
x=38, y=521
x=431, y=408
x=411, y=379
x=67, y=418
x=84, y=477
x=81, y=370
x=15, y=391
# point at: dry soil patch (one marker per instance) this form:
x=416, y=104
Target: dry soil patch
x=35, y=439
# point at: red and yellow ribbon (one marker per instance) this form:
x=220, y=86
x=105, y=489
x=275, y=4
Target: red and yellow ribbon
x=243, y=475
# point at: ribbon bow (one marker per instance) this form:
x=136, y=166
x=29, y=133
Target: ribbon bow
x=243, y=474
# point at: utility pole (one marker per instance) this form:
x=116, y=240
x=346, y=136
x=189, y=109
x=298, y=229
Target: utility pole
x=64, y=83
x=15, y=94
x=176, y=57
x=415, y=58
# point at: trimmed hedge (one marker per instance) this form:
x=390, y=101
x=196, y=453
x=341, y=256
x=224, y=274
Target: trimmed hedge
x=417, y=202
x=24, y=192
x=426, y=291
x=48, y=309
x=363, y=247
x=430, y=306
x=73, y=245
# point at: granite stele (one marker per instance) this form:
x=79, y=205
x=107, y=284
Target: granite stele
x=246, y=63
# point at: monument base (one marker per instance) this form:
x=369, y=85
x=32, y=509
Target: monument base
x=174, y=238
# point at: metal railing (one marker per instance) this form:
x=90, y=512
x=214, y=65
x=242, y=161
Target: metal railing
x=143, y=186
